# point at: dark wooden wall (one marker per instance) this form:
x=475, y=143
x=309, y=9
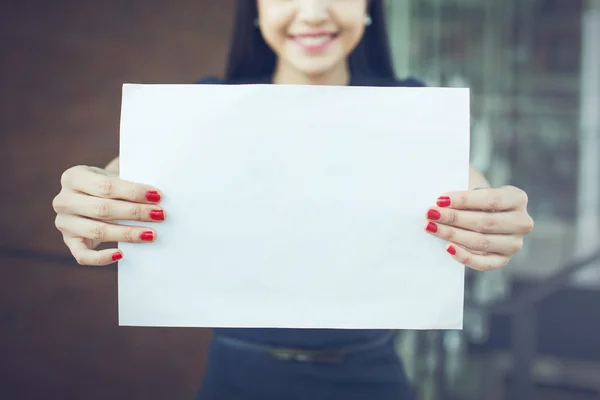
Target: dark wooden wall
x=62, y=67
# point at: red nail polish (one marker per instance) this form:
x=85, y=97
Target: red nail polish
x=147, y=236
x=153, y=196
x=431, y=227
x=443, y=201
x=433, y=215
x=157, y=215
x=451, y=250
x=117, y=256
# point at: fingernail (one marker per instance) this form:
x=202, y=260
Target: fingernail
x=157, y=215
x=117, y=256
x=147, y=236
x=433, y=215
x=153, y=196
x=451, y=250
x=431, y=227
x=443, y=201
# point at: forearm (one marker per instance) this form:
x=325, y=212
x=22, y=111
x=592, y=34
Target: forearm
x=476, y=179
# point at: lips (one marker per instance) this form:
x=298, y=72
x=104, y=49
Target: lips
x=314, y=41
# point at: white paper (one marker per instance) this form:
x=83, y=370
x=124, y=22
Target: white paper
x=293, y=206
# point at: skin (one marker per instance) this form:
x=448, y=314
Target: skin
x=484, y=228
x=283, y=23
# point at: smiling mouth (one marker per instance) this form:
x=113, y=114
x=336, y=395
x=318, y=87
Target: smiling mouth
x=314, y=42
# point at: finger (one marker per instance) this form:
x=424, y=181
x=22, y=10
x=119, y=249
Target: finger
x=103, y=231
x=477, y=262
x=510, y=222
x=84, y=256
x=488, y=243
x=505, y=198
x=95, y=182
x=107, y=209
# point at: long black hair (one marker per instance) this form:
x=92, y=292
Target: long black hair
x=251, y=58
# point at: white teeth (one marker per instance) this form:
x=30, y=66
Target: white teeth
x=313, y=40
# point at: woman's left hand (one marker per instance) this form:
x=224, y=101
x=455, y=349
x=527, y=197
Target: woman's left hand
x=484, y=228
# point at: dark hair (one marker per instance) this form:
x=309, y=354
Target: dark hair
x=251, y=58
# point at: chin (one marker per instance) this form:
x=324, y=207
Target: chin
x=315, y=68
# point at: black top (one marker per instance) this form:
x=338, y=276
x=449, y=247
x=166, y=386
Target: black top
x=311, y=338
x=355, y=80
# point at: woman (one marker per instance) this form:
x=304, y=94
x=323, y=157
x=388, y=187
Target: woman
x=315, y=42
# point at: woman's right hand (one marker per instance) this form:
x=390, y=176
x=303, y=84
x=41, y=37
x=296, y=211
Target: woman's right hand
x=89, y=205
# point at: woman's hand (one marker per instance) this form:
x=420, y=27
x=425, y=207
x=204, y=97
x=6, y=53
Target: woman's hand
x=484, y=228
x=89, y=205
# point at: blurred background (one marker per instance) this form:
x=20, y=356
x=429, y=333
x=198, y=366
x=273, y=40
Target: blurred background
x=531, y=330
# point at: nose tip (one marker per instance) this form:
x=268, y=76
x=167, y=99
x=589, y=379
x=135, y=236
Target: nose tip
x=313, y=11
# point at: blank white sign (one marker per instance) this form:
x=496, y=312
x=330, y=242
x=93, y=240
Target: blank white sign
x=293, y=206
